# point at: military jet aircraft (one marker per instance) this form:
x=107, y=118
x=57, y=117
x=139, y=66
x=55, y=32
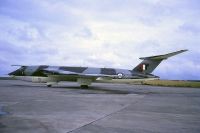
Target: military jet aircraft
x=86, y=75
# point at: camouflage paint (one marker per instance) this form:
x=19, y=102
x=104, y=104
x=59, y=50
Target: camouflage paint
x=63, y=73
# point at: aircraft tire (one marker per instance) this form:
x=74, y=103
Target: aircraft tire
x=84, y=86
x=49, y=85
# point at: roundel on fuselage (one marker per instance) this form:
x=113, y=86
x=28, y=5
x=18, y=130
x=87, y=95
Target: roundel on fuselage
x=120, y=75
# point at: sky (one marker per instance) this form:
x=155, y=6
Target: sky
x=101, y=33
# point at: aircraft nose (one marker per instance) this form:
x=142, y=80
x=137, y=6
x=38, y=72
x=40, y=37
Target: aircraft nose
x=14, y=73
x=18, y=72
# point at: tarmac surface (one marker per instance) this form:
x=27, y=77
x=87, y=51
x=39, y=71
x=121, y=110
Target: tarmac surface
x=103, y=108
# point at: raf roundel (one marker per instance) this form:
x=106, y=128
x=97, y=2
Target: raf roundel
x=120, y=75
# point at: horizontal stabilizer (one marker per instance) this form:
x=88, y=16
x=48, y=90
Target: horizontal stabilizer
x=163, y=57
x=19, y=65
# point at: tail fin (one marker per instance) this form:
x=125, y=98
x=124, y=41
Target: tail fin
x=150, y=63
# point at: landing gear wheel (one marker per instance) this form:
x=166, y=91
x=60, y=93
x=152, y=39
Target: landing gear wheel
x=49, y=85
x=84, y=86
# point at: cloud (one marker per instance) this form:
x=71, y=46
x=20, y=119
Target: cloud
x=102, y=33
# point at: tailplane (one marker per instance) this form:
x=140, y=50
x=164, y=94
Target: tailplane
x=150, y=63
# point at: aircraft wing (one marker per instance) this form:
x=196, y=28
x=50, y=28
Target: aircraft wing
x=52, y=71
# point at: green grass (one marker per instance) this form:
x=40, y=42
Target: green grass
x=173, y=83
x=6, y=78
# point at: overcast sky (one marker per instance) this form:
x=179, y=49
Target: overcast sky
x=101, y=33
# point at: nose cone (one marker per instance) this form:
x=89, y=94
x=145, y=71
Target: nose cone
x=18, y=72
x=11, y=73
x=14, y=73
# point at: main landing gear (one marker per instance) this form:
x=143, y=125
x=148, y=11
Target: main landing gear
x=50, y=84
x=84, y=86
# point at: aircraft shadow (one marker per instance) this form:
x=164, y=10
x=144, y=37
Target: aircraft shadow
x=89, y=90
x=94, y=90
